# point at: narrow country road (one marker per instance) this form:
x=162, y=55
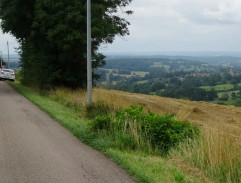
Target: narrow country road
x=36, y=149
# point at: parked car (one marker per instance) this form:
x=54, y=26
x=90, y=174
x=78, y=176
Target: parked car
x=7, y=74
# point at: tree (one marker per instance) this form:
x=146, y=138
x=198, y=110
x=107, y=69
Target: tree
x=225, y=96
x=2, y=61
x=157, y=86
x=233, y=94
x=211, y=95
x=52, y=35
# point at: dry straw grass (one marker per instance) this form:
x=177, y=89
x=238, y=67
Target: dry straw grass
x=216, y=153
x=219, y=150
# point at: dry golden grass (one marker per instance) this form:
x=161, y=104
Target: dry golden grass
x=220, y=146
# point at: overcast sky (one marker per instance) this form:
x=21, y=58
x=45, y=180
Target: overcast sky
x=182, y=25
x=3, y=43
x=176, y=25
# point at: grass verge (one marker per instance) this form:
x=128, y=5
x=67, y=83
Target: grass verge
x=143, y=167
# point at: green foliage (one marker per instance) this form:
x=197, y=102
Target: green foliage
x=165, y=132
x=224, y=97
x=17, y=16
x=53, y=35
x=158, y=131
x=101, y=123
x=2, y=61
x=233, y=94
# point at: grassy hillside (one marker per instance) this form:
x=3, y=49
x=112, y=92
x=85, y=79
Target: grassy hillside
x=217, y=154
x=204, y=114
x=215, y=157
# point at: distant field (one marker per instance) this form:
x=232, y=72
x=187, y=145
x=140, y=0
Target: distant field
x=142, y=82
x=158, y=64
x=220, y=87
x=139, y=73
x=229, y=93
x=110, y=70
x=123, y=75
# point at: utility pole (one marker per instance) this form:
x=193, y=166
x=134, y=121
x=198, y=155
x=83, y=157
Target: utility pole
x=89, y=57
x=1, y=59
x=8, y=54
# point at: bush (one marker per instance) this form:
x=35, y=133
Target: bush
x=165, y=132
x=158, y=131
x=100, y=123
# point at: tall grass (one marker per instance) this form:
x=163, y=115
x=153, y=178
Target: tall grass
x=217, y=153
x=114, y=100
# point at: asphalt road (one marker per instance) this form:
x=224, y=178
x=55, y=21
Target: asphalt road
x=36, y=149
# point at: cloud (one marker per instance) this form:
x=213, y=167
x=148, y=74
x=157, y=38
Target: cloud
x=226, y=12
x=211, y=12
x=183, y=25
x=196, y=11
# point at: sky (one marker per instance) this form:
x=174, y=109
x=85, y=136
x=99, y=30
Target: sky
x=182, y=25
x=4, y=38
x=175, y=25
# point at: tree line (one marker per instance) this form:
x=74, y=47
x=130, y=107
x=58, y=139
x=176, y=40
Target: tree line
x=52, y=37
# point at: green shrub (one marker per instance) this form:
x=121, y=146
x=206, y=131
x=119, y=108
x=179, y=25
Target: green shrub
x=100, y=123
x=165, y=132
x=147, y=129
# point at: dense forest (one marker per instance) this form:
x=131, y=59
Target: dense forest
x=216, y=79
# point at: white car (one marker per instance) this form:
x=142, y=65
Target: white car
x=7, y=74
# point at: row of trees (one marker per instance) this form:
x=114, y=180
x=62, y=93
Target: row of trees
x=159, y=88
x=52, y=37
x=195, y=94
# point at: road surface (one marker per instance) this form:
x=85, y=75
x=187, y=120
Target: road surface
x=36, y=149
